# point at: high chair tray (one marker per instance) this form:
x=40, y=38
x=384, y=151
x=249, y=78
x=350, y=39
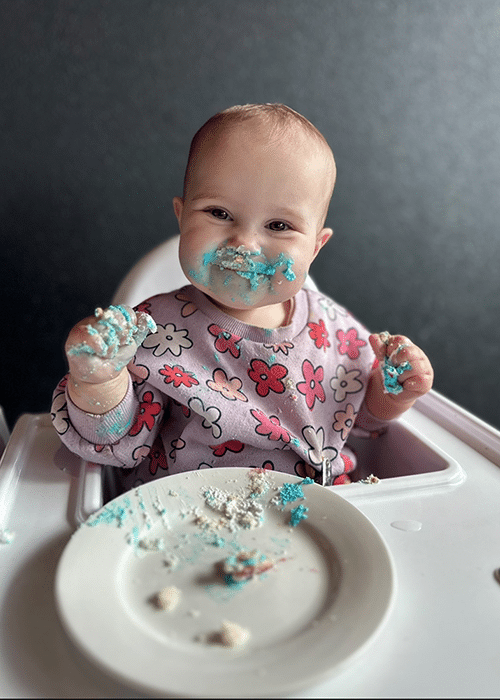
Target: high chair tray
x=440, y=522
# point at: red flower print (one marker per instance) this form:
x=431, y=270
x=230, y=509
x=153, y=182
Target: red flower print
x=267, y=377
x=342, y=479
x=319, y=334
x=267, y=465
x=148, y=409
x=349, y=343
x=311, y=387
x=178, y=375
x=270, y=426
x=231, y=445
x=157, y=458
x=225, y=340
x=145, y=307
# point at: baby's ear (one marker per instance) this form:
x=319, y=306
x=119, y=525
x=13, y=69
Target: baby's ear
x=322, y=238
x=178, y=207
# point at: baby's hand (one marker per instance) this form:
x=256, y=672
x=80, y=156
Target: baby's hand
x=406, y=370
x=100, y=346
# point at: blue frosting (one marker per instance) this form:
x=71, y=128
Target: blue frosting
x=390, y=373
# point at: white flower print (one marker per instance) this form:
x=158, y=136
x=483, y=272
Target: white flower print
x=211, y=415
x=344, y=420
x=168, y=339
x=318, y=453
x=59, y=414
x=345, y=383
x=189, y=307
x=331, y=308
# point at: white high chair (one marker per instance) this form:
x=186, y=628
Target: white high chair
x=4, y=431
x=436, y=506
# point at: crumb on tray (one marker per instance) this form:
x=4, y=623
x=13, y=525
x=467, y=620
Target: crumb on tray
x=167, y=599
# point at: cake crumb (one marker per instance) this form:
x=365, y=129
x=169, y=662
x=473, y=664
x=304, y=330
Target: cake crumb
x=230, y=635
x=167, y=599
x=245, y=566
x=370, y=480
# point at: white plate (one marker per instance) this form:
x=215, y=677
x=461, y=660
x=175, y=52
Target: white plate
x=330, y=590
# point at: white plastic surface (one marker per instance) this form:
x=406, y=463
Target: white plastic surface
x=4, y=431
x=446, y=615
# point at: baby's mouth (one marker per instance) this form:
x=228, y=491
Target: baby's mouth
x=246, y=264
x=238, y=259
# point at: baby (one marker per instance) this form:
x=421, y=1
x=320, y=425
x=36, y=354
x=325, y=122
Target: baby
x=245, y=366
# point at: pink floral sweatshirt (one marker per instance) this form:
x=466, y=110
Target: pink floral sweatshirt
x=206, y=390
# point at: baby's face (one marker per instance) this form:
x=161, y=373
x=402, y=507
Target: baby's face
x=251, y=221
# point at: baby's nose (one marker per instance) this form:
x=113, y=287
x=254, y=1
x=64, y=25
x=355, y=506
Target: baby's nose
x=246, y=237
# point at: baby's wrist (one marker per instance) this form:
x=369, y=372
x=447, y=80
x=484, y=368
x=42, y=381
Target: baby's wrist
x=98, y=398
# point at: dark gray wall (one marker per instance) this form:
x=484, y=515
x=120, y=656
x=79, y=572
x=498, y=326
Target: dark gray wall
x=98, y=103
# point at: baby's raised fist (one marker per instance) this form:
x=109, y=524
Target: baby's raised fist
x=100, y=346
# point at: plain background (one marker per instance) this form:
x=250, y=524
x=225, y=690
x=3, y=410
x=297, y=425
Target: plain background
x=98, y=104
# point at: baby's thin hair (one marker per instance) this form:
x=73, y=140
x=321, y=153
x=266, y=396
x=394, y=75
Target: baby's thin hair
x=276, y=117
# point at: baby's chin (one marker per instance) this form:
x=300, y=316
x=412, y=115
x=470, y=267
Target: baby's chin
x=230, y=290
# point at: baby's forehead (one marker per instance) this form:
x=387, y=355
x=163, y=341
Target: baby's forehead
x=284, y=139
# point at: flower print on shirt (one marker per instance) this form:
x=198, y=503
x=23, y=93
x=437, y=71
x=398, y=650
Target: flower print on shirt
x=144, y=306
x=157, y=459
x=345, y=382
x=225, y=341
x=311, y=388
x=229, y=388
x=267, y=377
x=59, y=413
x=189, y=307
x=140, y=453
x=270, y=426
x=230, y=445
x=178, y=375
x=177, y=444
x=319, y=334
x=331, y=308
x=148, y=409
x=305, y=470
x=140, y=373
x=283, y=347
x=210, y=415
x=317, y=452
x=350, y=343
x=168, y=339
x=344, y=420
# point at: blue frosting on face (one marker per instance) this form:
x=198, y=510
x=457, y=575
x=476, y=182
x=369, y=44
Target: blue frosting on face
x=244, y=264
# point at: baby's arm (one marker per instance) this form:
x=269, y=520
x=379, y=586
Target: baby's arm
x=404, y=375
x=98, y=350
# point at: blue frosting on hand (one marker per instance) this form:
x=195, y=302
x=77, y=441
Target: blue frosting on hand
x=390, y=374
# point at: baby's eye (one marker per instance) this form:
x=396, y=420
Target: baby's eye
x=219, y=213
x=278, y=226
